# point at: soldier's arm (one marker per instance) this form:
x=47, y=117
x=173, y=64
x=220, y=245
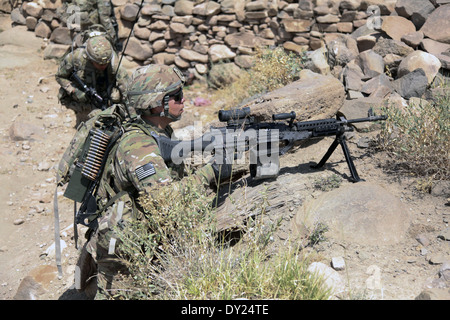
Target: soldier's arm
x=105, y=11
x=64, y=73
x=139, y=162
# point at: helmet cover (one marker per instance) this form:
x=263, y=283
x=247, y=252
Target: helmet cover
x=99, y=50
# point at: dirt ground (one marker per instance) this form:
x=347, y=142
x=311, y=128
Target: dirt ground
x=27, y=180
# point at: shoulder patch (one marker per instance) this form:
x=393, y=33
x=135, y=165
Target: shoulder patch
x=145, y=171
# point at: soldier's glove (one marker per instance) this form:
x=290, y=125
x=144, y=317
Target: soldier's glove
x=79, y=96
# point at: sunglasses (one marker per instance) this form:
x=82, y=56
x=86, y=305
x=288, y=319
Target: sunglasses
x=177, y=96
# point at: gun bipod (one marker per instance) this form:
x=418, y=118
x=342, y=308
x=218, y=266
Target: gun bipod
x=340, y=140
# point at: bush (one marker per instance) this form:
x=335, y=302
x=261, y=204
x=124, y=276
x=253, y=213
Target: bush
x=175, y=253
x=272, y=69
x=418, y=137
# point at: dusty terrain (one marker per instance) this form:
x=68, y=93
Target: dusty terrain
x=27, y=179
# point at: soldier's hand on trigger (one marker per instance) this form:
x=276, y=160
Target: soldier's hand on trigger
x=79, y=96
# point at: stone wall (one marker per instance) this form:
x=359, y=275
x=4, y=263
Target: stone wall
x=194, y=34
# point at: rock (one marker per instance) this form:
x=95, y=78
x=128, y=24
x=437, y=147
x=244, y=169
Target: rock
x=332, y=279
x=338, y=263
x=434, y=47
x=218, y=52
x=445, y=234
x=61, y=35
x=413, y=84
x=184, y=7
x=341, y=49
x=363, y=213
x=191, y=55
x=33, y=9
x=371, y=63
x=318, y=61
x=151, y=9
x=423, y=240
x=386, y=7
x=441, y=188
x=55, y=51
x=352, y=76
x=224, y=73
x=434, y=294
x=359, y=108
x=244, y=61
x=129, y=11
x=42, y=30
x=419, y=59
x=389, y=46
x=31, y=22
x=396, y=27
x=209, y=8
x=19, y=131
x=314, y=96
x=291, y=46
x=366, y=42
x=244, y=39
x=36, y=283
x=413, y=39
x=296, y=25
x=415, y=10
x=17, y=17
x=137, y=50
x=373, y=84
x=18, y=222
x=180, y=28
x=437, y=26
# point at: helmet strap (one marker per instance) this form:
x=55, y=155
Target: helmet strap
x=166, y=113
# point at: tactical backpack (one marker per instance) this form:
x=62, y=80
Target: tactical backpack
x=81, y=167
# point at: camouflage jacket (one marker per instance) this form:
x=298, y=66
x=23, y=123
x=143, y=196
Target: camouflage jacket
x=102, y=81
x=96, y=12
x=136, y=166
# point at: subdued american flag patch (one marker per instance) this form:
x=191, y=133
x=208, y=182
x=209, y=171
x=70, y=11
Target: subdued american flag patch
x=145, y=171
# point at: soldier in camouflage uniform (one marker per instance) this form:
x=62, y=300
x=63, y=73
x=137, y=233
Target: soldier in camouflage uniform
x=96, y=65
x=97, y=12
x=155, y=94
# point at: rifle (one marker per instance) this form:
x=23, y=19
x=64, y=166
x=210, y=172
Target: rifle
x=92, y=94
x=262, y=140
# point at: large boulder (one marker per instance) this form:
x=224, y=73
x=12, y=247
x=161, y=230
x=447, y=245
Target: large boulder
x=437, y=26
x=419, y=59
x=313, y=96
x=415, y=10
x=363, y=213
x=396, y=27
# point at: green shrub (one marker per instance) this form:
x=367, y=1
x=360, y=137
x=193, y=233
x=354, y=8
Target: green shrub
x=418, y=137
x=175, y=253
x=272, y=69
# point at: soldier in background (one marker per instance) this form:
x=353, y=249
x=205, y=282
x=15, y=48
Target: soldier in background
x=90, y=69
x=101, y=12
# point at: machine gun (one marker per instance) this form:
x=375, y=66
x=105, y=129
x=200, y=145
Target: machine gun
x=92, y=94
x=263, y=139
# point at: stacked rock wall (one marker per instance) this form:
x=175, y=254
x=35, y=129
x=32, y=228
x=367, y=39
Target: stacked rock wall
x=194, y=34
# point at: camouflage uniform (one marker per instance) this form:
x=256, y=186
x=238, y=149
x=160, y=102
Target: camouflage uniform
x=106, y=82
x=134, y=166
x=96, y=12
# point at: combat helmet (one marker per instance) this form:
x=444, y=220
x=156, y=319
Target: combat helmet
x=150, y=87
x=99, y=50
